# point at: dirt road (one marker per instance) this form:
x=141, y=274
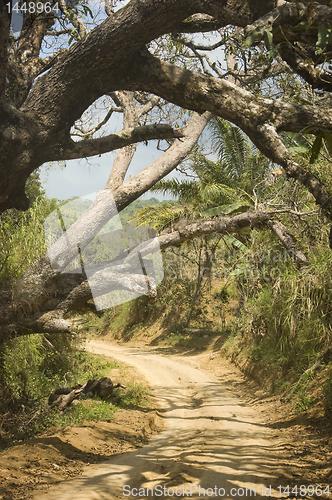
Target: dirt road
x=212, y=440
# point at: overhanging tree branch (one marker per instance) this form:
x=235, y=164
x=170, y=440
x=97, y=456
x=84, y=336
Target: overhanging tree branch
x=112, y=60
x=197, y=23
x=102, y=209
x=59, y=97
x=205, y=93
x=116, y=38
x=261, y=119
x=125, y=155
x=292, y=14
x=42, y=282
x=92, y=147
x=120, y=277
x=317, y=77
x=288, y=241
x=157, y=170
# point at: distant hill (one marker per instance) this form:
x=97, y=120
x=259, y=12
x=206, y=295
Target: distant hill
x=73, y=208
x=136, y=205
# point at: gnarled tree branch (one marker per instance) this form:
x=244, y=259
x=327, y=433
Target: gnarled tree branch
x=92, y=147
x=122, y=277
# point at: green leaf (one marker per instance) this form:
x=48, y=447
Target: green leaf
x=301, y=145
x=235, y=242
x=300, y=150
x=251, y=38
x=316, y=148
x=301, y=27
x=268, y=38
x=307, y=130
x=298, y=138
x=322, y=40
x=240, y=270
x=226, y=209
x=87, y=10
x=73, y=36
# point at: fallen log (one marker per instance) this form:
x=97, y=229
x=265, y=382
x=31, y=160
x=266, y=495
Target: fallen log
x=66, y=399
x=63, y=396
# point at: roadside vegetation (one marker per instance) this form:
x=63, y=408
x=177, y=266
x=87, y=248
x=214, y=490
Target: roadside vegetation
x=273, y=316
x=271, y=311
x=33, y=366
x=266, y=292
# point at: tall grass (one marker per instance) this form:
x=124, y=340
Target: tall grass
x=285, y=324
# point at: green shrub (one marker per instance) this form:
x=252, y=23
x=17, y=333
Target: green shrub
x=174, y=338
x=136, y=394
x=32, y=370
x=284, y=323
x=31, y=374
x=22, y=239
x=22, y=361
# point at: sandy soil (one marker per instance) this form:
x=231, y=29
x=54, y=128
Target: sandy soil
x=220, y=430
x=214, y=437
x=62, y=453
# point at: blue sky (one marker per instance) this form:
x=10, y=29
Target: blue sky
x=85, y=176
x=82, y=177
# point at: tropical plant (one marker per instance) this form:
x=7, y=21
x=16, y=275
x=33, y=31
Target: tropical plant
x=22, y=239
x=240, y=164
x=224, y=186
x=227, y=183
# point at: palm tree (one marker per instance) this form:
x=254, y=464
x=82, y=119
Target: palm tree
x=241, y=164
x=225, y=185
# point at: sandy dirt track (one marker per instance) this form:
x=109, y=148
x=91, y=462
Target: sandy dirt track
x=212, y=439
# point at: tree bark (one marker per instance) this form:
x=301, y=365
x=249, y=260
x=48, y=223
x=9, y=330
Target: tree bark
x=43, y=287
x=288, y=241
x=260, y=118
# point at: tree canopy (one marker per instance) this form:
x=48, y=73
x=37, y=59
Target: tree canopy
x=41, y=98
x=168, y=67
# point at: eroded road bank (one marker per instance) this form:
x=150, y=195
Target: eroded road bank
x=213, y=443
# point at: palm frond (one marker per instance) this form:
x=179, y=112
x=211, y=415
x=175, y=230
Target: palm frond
x=225, y=185
x=160, y=216
x=222, y=193
x=181, y=189
x=231, y=144
x=226, y=209
x=209, y=171
x=237, y=154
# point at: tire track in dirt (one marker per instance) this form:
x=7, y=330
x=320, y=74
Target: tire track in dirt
x=211, y=439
